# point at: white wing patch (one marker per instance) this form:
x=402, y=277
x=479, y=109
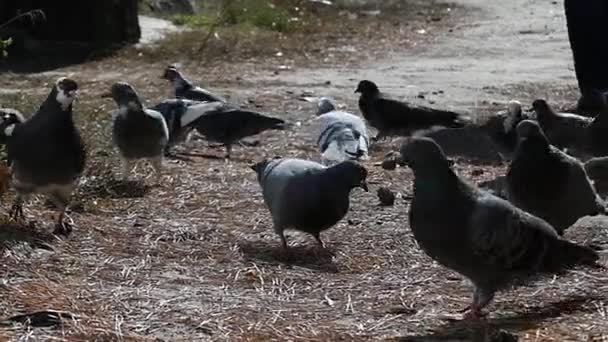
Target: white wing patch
x=158, y=116
x=196, y=111
x=8, y=131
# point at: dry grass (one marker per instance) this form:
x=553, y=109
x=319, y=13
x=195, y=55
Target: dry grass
x=195, y=257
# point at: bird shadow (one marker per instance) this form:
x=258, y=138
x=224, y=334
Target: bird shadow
x=114, y=188
x=313, y=258
x=503, y=328
x=12, y=233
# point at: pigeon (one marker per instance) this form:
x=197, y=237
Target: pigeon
x=227, y=124
x=501, y=127
x=9, y=118
x=486, y=239
x=184, y=89
x=307, y=196
x=392, y=117
x=137, y=132
x=179, y=115
x=341, y=136
x=564, y=130
x=47, y=153
x=548, y=183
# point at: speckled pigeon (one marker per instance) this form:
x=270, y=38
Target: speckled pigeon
x=137, y=132
x=340, y=135
x=486, y=239
x=47, y=153
x=184, y=89
x=564, y=130
x=307, y=196
x=392, y=117
x=9, y=119
x=549, y=183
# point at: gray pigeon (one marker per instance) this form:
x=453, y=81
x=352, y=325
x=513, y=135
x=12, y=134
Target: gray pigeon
x=184, y=89
x=307, y=196
x=392, y=117
x=482, y=237
x=137, y=132
x=501, y=127
x=47, y=153
x=549, y=183
x=340, y=135
x=564, y=130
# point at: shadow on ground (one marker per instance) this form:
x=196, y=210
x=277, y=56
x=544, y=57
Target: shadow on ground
x=502, y=329
x=12, y=234
x=309, y=257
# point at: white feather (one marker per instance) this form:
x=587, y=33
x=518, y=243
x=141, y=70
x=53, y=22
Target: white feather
x=8, y=131
x=158, y=116
x=64, y=101
x=334, y=153
x=196, y=111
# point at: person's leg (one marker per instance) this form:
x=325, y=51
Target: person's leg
x=587, y=28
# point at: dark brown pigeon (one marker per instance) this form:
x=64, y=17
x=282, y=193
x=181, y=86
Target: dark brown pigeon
x=392, y=117
x=549, y=183
x=484, y=238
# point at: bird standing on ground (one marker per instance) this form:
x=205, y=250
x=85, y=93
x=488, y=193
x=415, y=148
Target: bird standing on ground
x=137, y=132
x=184, y=89
x=501, y=127
x=564, y=130
x=307, y=196
x=479, y=235
x=47, y=153
x=341, y=136
x=548, y=183
x=227, y=124
x=392, y=117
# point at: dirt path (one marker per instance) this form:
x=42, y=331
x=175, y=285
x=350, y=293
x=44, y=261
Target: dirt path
x=499, y=43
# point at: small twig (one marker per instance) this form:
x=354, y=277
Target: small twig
x=217, y=22
x=33, y=14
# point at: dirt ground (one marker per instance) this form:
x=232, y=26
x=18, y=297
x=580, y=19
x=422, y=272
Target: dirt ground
x=195, y=257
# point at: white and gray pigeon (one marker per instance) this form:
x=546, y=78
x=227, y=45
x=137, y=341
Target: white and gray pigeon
x=185, y=89
x=392, y=117
x=486, y=239
x=340, y=135
x=47, y=153
x=307, y=196
x=548, y=183
x=137, y=132
x=564, y=130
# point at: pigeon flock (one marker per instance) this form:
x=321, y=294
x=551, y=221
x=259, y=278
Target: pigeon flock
x=496, y=243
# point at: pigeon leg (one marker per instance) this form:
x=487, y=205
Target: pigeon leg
x=317, y=237
x=16, y=213
x=64, y=222
x=157, y=164
x=481, y=299
x=127, y=167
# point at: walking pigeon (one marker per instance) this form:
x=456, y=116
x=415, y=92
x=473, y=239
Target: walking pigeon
x=564, y=130
x=179, y=115
x=183, y=88
x=482, y=237
x=137, y=132
x=548, y=183
x=227, y=124
x=392, y=117
x=307, y=196
x=340, y=135
x=47, y=153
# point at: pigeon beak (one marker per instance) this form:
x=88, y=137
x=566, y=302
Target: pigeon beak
x=363, y=186
x=357, y=90
x=106, y=95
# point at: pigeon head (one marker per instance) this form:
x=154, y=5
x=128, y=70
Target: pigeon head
x=125, y=95
x=366, y=87
x=171, y=74
x=353, y=173
x=325, y=105
x=514, y=115
x=65, y=90
x=530, y=130
x=424, y=154
x=541, y=107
